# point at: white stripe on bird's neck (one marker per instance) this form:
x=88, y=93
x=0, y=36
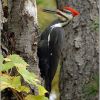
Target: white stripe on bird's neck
x=60, y=24
x=56, y=25
x=52, y=27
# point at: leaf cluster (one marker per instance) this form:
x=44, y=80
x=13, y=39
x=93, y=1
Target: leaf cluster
x=14, y=82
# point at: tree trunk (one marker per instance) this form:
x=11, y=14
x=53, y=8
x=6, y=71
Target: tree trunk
x=22, y=22
x=80, y=55
x=1, y=19
x=20, y=35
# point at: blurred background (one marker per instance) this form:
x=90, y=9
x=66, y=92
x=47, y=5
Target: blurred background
x=44, y=19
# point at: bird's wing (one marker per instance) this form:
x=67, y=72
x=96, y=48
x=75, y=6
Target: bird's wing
x=56, y=45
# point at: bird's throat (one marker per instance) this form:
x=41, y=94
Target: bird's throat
x=60, y=24
x=64, y=23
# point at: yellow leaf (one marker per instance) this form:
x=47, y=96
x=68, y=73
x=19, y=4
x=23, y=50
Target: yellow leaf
x=33, y=97
x=7, y=59
x=12, y=82
x=41, y=90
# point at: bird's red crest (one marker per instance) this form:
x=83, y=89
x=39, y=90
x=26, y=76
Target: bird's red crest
x=74, y=12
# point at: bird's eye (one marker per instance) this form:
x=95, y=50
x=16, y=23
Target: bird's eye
x=67, y=11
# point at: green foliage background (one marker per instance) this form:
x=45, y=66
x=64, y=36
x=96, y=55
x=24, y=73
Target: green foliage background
x=45, y=19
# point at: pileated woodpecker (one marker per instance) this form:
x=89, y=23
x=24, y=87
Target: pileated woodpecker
x=50, y=44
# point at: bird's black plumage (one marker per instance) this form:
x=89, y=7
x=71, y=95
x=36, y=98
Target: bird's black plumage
x=49, y=52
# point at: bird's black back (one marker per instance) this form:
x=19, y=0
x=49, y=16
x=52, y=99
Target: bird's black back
x=49, y=53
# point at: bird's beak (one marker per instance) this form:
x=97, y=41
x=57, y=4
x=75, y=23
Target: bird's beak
x=50, y=11
x=64, y=15
x=59, y=12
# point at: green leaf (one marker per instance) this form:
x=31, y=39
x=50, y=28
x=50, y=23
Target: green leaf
x=32, y=97
x=41, y=90
x=7, y=81
x=17, y=60
x=7, y=59
x=12, y=82
x=23, y=88
x=28, y=76
x=1, y=59
x=6, y=66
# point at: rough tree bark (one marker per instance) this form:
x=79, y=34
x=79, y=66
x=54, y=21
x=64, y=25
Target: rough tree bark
x=22, y=22
x=80, y=55
x=21, y=34
x=1, y=19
